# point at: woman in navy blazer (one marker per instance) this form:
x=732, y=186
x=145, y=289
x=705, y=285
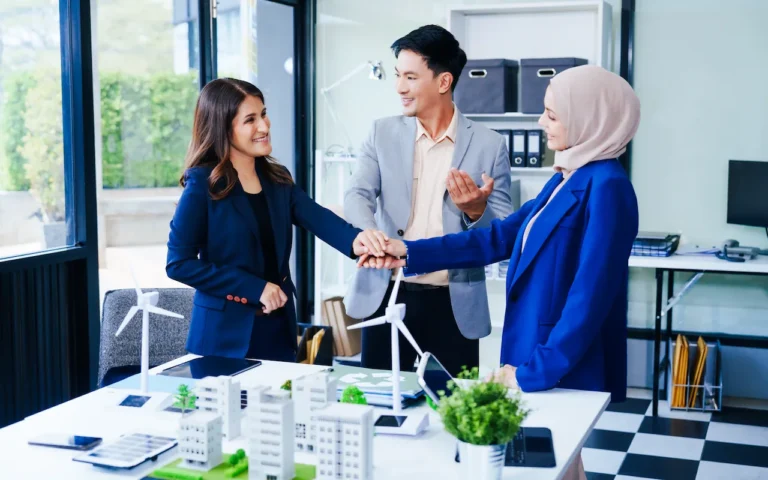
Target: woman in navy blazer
x=566, y=320
x=231, y=233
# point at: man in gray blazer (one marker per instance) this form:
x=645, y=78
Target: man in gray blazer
x=426, y=173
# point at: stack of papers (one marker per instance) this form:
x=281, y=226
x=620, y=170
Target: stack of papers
x=377, y=385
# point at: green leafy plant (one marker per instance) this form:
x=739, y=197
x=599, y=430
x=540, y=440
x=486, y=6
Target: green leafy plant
x=464, y=374
x=352, y=394
x=286, y=385
x=240, y=454
x=482, y=414
x=12, y=131
x=185, y=400
x=43, y=145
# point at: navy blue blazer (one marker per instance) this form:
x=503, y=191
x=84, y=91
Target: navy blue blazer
x=214, y=247
x=565, y=323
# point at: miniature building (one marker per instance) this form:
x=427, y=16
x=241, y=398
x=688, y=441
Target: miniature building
x=200, y=440
x=269, y=432
x=344, y=442
x=221, y=395
x=310, y=393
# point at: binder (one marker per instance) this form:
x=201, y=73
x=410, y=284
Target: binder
x=518, y=152
x=507, y=134
x=328, y=317
x=536, y=144
x=351, y=338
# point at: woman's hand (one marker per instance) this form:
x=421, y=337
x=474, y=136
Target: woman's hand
x=370, y=242
x=386, y=262
x=506, y=375
x=272, y=298
x=394, y=249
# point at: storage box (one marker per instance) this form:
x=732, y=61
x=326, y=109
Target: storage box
x=487, y=86
x=535, y=76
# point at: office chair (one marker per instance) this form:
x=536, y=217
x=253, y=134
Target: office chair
x=120, y=357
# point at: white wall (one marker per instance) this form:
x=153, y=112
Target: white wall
x=700, y=70
x=350, y=32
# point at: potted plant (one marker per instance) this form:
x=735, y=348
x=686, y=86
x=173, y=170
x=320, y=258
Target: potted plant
x=484, y=417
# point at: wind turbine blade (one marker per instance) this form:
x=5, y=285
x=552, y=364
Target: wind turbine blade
x=160, y=311
x=136, y=284
x=368, y=323
x=127, y=319
x=393, y=296
x=407, y=334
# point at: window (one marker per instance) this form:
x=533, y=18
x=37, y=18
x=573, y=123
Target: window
x=33, y=199
x=147, y=89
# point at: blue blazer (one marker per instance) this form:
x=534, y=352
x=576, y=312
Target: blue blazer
x=214, y=247
x=565, y=323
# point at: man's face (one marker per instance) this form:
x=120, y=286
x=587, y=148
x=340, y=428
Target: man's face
x=419, y=88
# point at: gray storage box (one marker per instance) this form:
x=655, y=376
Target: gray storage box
x=487, y=86
x=534, y=79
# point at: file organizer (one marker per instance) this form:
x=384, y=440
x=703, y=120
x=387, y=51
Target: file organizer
x=655, y=247
x=706, y=396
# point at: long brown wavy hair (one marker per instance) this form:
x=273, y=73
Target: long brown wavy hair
x=211, y=133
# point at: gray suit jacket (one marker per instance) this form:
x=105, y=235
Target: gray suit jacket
x=380, y=198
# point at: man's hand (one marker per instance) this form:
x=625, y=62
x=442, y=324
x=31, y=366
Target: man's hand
x=470, y=198
x=370, y=242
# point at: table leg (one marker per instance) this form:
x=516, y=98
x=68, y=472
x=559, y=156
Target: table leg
x=668, y=336
x=657, y=340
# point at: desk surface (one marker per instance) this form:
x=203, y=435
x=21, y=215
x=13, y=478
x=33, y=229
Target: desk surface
x=570, y=415
x=702, y=263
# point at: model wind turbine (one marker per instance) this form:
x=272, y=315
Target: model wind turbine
x=146, y=302
x=398, y=423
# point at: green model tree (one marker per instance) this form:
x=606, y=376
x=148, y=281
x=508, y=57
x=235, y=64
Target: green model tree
x=352, y=394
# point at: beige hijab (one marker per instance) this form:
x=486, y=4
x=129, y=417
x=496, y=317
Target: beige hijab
x=600, y=112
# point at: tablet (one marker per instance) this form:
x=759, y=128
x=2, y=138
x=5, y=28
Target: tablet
x=433, y=377
x=128, y=451
x=211, y=367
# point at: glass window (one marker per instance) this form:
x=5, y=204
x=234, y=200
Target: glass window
x=33, y=213
x=145, y=73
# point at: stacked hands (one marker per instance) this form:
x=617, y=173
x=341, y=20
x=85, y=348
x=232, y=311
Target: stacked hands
x=376, y=250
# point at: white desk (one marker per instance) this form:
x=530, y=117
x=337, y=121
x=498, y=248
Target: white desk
x=699, y=265
x=570, y=415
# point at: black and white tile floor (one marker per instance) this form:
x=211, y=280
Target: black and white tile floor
x=628, y=443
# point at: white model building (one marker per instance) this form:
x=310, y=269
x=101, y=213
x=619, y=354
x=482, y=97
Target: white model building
x=344, y=442
x=200, y=440
x=269, y=433
x=310, y=393
x=221, y=395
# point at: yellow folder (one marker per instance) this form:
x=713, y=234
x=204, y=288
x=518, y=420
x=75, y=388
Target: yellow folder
x=701, y=359
x=676, y=370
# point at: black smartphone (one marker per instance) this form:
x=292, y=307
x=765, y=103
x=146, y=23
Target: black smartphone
x=71, y=442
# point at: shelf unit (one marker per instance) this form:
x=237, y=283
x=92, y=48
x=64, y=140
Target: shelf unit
x=336, y=169
x=573, y=29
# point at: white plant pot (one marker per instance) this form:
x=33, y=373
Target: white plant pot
x=482, y=462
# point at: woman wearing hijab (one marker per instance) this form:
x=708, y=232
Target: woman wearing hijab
x=566, y=315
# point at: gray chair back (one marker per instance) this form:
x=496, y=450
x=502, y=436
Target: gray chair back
x=167, y=335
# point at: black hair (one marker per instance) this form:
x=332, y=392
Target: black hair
x=438, y=47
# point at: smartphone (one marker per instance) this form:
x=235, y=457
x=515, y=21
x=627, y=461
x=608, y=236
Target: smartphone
x=71, y=442
x=433, y=377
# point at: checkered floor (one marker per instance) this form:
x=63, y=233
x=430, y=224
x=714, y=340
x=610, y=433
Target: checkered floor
x=628, y=443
